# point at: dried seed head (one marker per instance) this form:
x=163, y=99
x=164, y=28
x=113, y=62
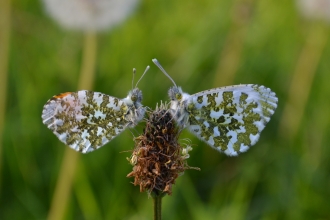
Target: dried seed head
x=158, y=159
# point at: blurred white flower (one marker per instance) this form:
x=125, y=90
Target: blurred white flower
x=89, y=14
x=315, y=9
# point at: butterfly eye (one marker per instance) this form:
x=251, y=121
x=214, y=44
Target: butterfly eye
x=134, y=98
x=178, y=96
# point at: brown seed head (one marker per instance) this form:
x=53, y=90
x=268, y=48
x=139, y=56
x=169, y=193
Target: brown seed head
x=158, y=159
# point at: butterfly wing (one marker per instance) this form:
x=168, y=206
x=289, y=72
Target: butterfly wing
x=85, y=120
x=231, y=118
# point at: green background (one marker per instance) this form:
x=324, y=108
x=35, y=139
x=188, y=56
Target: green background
x=202, y=44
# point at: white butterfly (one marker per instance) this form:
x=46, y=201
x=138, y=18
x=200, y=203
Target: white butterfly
x=86, y=120
x=229, y=119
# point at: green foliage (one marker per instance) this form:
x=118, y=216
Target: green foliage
x=281, y=177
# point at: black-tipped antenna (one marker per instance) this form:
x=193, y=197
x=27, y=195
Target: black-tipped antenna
x=134, y=71
x=148, y=67
x=162, y=69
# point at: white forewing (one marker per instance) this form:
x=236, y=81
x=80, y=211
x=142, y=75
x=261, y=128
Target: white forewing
x=86, y=120
x=229, y=119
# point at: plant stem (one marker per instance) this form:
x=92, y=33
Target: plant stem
x=87, y=74
x=5, y=11
x=62, y=191
x=157, y=198
x=70, y=160
x=302, y=81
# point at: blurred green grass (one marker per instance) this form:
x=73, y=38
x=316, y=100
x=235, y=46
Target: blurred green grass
x=281, y=177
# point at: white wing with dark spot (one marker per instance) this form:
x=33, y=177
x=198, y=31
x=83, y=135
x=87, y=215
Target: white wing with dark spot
x=86, y=120
x=229, y=119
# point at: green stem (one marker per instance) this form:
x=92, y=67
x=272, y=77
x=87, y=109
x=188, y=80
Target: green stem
x=4, y=57
x=70, y=160
x=302, y=80
x=157, y=206
x=87, y=74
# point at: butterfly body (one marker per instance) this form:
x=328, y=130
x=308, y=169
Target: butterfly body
x=135, y=111
x=179, y=104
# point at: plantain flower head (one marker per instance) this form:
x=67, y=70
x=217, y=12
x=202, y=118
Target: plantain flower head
x=158, y=159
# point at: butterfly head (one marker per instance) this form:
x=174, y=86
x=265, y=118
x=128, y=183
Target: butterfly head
x=135, y=111
x=134, y=98
x=175, y=93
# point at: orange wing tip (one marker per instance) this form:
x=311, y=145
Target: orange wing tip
x=62, y=95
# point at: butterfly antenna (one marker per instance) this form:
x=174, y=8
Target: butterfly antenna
x=134, y=72
x=148, y=67
x=162, y=69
